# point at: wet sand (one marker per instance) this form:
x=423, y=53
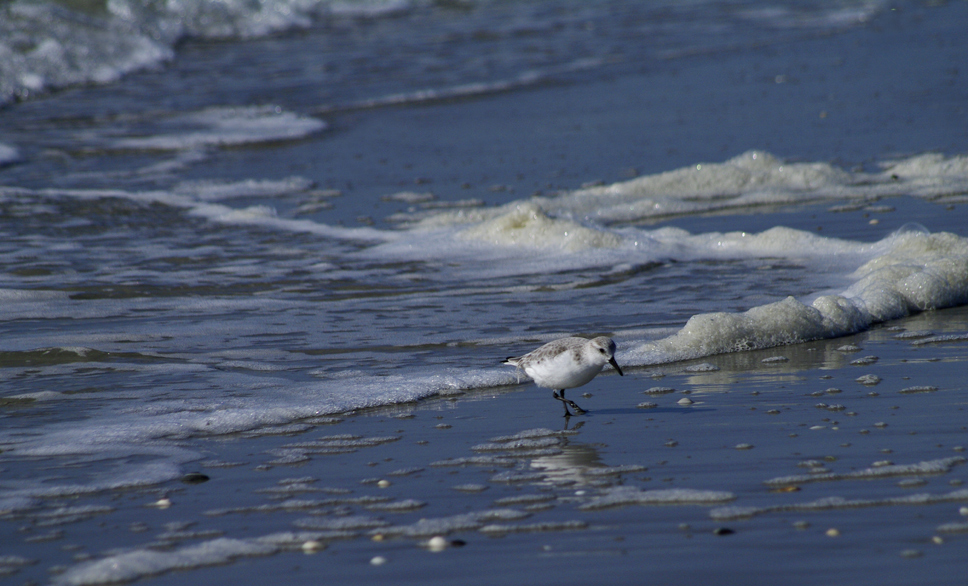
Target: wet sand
x=775, y=466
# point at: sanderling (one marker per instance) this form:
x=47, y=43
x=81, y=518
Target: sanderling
x=567, y=363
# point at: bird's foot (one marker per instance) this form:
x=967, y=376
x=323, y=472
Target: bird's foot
x=568, y=403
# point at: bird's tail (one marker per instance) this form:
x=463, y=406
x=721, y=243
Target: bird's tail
x=513, y=361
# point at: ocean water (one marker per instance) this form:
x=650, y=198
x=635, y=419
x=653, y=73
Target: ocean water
x=159, y=287
x=374, y=51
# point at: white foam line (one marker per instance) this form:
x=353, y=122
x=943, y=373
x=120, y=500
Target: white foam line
x=748, y=181
x=227, y=126
x=251, y=216
x=265, y=217
x=467, y=90
x=921, y=468
x=107, y=438
x=941, y=339
x=836, y=503
x=23, y=495
x=632, y=495
x=140, y=563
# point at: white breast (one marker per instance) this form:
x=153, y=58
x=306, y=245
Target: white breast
x=562, y=371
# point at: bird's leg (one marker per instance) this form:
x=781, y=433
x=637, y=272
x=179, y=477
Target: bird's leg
x=563, y=401
x=567, y=402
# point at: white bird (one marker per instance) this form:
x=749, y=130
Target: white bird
x=567, y=363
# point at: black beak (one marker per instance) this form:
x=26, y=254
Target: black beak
x=615, y=365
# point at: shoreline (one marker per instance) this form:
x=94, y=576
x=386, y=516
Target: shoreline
x=501, y=475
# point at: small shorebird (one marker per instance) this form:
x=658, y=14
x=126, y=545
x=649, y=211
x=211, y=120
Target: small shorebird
x=567, y=363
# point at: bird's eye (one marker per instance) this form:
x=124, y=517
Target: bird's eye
x=602, y=350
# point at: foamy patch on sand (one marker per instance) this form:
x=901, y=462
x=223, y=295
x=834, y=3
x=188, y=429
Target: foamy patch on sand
x=209, y=190
x=430, y=527
x=621, y=496
x=140, y=563
x=834, y=503
x=31, y=295
x=23, y=495
x=940, y=466
x=941, y=339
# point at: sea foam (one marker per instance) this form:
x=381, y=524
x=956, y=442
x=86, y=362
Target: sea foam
x=747, y=181
x=47, y=46
x=917, y=272
x=227, y=126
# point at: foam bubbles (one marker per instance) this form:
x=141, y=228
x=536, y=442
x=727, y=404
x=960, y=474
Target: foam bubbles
x=920, y=271
x=835, y=503
x=526, y=225
x=140, y=563
x=227, y=126
x=221, y=190
x=939, y=466
x=747, y=181
x=751, y=179
x=45, y=47
x=775, y=324
x=590, y=228
x=631, y=495
x=430, y=527
x=49, y=46
x=915, y=271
